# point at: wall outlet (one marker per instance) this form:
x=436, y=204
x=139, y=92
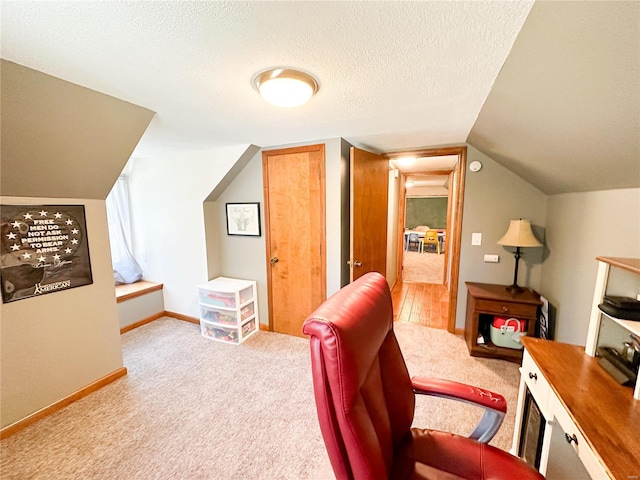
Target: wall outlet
x=638, y=297
x=491, y=258
x=476, y=239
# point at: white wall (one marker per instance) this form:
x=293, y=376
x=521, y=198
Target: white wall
x=56, y=344
x=167, y=195
x=581, y=227
x=494, y=196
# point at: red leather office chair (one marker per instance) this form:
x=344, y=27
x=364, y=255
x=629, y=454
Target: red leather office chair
x=365, y=399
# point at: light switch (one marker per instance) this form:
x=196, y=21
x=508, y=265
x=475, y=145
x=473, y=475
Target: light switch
x=476, y=239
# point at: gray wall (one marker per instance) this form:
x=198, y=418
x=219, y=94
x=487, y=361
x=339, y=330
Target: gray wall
x=54, y=345
x=581, y=227
x=241, y=257
x=494, y=196
x=392, y=226
x=61, y=144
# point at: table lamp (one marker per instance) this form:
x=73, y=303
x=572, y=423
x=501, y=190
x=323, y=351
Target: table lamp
x=518, y=235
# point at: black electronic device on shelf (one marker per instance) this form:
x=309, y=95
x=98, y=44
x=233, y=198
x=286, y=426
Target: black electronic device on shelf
x=624, y=308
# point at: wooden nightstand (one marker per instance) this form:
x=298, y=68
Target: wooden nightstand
x=484, y=301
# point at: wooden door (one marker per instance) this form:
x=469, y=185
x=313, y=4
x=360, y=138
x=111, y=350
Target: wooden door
x=369, y=176
x=294, y=197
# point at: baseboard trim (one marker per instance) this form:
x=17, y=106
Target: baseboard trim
x=177, y=316
x=60, y=404
x=144, y=321
x=459, y=331
x=180, y=316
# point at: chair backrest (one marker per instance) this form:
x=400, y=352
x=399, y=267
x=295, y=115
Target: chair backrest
x=414, y=237
x=431, y=236
x=363, y=391
x=421, y=228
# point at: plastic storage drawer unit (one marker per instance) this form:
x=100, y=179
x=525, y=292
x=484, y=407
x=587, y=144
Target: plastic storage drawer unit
x=228, y=310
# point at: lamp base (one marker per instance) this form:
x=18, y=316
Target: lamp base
x=514, y=289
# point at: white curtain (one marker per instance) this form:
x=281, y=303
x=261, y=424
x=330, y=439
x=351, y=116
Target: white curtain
x=125, y=267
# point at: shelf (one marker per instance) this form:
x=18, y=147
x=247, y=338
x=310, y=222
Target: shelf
x=492, y=351
x=600, y=332
x=630, y=264
x=632, y=325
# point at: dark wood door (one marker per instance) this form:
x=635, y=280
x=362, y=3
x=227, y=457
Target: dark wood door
x=369, y=203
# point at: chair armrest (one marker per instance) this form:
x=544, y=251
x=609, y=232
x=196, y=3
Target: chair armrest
x=494, y=404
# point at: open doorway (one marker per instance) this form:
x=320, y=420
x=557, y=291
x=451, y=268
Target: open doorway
x=425, y=228
x=433, y=177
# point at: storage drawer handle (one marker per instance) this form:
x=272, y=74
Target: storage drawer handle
x=505, y=308
x=533, y=376
x=571, y=438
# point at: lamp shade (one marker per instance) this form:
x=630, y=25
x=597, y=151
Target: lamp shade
x=519, y=234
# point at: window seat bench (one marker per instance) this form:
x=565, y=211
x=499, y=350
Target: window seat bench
x=139, y=303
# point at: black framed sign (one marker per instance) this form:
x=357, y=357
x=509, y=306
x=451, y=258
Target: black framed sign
x=243, y=219
x=44, y=249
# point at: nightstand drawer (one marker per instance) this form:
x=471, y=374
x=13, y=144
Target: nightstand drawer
x=506, y=308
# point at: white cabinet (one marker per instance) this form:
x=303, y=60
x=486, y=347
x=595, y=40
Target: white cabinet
x=616, y=276
x=228, y=309
x=573, y=419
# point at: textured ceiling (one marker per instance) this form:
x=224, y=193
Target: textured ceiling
x=392, y=75
x=550, y=90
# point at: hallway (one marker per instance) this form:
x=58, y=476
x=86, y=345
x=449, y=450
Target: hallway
x=421, y=303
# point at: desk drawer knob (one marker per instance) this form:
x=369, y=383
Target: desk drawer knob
x=571, y=438
x=505, y=308
x=533, y=376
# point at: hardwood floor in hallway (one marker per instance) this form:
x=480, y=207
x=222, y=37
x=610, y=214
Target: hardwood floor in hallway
x=422, y=303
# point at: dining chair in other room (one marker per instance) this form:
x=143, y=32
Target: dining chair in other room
x=415, y=239
x=431, y=238
x=365, y=399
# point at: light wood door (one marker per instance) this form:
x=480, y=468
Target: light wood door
x=369, y=176
x=294, y=197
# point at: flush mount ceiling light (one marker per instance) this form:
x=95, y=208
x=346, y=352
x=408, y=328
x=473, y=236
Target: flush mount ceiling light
x=285, y=87
x=405, y=161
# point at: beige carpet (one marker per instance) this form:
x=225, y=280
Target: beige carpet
x=423, y=267
x=192, y=408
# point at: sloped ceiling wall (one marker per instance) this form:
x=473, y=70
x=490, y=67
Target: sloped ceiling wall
x=60, y=140
x=564, y=112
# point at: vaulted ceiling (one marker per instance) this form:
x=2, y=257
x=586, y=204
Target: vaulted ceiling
x=550, y=89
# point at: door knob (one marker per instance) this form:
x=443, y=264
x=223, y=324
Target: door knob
x=357, y=264
x=273, y=261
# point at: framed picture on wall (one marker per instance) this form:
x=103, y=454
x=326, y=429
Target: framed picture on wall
x=243, y=219
x=44, y=250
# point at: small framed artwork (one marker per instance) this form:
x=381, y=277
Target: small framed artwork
x=243, y=219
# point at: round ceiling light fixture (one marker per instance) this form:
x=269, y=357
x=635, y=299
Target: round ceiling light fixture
x=285, y=87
